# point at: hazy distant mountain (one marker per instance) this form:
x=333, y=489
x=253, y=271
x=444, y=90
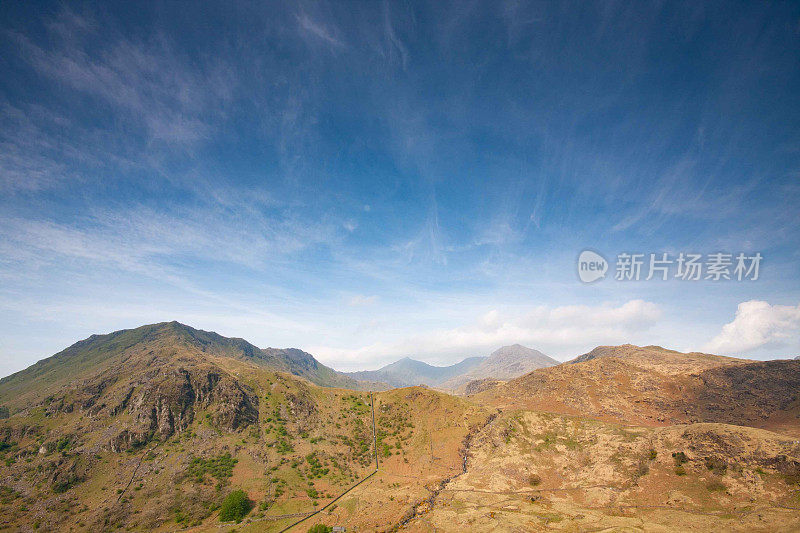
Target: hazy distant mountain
x=407, y=372
x=504, y=363
x=507, y=362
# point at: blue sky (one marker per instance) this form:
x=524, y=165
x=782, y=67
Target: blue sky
x=373, y=180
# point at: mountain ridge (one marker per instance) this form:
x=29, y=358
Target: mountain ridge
x=655, y=386
x=408, y=372
x=95, y=351
x=505, y=362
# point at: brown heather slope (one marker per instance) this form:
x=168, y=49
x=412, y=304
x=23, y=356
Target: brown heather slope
x=630, y=439
x=653, y=386
x=115, y=353
x=543, y=472
x=660, y=359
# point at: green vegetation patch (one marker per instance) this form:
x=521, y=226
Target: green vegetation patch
x=221, y=467
x=235, y=506
x=317, y=469
x=7, y=495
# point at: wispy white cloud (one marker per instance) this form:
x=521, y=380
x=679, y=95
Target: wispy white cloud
x=394, y=45
x=147, y=80
x=312, y=27
x=149, y=241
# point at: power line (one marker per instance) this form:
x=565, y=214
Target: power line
x=375, y=446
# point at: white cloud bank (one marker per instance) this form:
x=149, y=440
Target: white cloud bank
x=757, y=325
x=553, y=330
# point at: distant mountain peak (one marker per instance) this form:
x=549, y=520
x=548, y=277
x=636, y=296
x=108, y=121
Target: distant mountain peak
x=407, y=371
x=504, y=363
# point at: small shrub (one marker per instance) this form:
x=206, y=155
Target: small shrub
x=62, y=486
x=715, y=486
x=679, y=458
x=717, y=465
x=652, y=455
x=235, y=506
x=7, y=495
x=534, y=480
x=680, y=471
x=320, y=528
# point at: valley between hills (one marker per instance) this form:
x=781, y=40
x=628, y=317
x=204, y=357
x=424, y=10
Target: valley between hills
x=169, y=428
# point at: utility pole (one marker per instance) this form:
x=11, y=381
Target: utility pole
x=374, y=435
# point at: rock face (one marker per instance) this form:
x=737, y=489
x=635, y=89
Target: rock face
x=168, y=405
x=479, y=385
x=142, y=384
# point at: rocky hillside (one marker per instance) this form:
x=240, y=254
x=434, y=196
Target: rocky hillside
x=533, y=471
x=151, y=429
x=660, y=359
x=114, y=350
x=655, y=386
x=161, y=428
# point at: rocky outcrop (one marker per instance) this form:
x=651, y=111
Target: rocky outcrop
x=168, y=404
x=479, y=385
